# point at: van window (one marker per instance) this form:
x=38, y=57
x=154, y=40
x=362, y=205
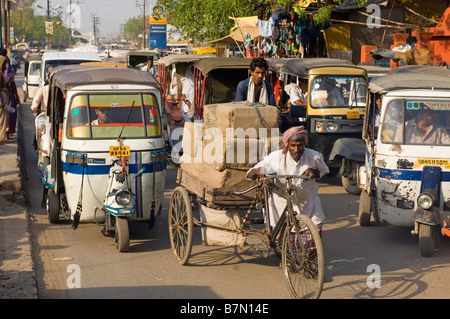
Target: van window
x=109, y=115
x=418, y=122
x=35, y=69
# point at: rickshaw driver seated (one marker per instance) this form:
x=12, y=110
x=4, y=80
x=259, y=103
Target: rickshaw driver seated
x=423, y=129
x=256, y=89
x=104, y=116
x=298, y=94
x=295, y=159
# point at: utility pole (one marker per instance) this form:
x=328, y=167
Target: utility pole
x=143, y=30
x=96, y=24
x=48, y=19
x=70, y=22
x=143, y=23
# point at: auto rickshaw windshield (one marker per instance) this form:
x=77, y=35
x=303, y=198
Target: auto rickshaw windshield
x=415, y=121
x=338, y=91
x=110, y=115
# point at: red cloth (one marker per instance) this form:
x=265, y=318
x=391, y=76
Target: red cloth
x=293, y=130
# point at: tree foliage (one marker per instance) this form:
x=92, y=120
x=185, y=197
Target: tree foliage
x=28, y=26
x=133, y=27
x=206, y=20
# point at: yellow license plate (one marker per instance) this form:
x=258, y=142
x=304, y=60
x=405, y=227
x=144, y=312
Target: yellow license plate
x=119, y=151
x=353, y=114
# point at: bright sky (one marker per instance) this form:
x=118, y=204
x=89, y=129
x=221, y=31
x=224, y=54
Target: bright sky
x=111, y=13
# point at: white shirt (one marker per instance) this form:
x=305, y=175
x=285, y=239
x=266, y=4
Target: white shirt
x=40, y=97
x=146, y=69
x=296, y=94
x=308, y=201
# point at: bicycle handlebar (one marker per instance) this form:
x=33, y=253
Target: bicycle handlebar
x=270, y=176
x=286, y=176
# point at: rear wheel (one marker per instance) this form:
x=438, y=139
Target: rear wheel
x=350, y=185
x=181, y=224
x=122, y=233
x=52, y=207
x=303, y=258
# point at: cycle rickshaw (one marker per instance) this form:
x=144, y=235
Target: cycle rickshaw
x=241, y=214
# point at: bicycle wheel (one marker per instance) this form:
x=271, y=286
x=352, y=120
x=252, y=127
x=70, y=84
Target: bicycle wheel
x=303, y=258
x=181, y=224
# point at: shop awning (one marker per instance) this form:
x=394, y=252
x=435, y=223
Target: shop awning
x=238, y=35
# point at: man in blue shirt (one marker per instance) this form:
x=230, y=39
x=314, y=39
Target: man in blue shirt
x=256, y=89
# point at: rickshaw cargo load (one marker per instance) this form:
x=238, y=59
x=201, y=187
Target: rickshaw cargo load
x=227, y=220
x=208, y=175
x=242, y=116
x=226, y=152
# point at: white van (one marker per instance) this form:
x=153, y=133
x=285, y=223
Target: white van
x=31, y=76
x=58, y=58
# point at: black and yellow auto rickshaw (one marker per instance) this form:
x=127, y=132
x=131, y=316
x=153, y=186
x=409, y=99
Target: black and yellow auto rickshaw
x=336, y=100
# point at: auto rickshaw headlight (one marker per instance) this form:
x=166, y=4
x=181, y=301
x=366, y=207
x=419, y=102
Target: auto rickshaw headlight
x=425, y=200
x=330, y=126
x=123, y=197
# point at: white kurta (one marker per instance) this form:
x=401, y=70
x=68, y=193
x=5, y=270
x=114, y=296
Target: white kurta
x=308, y=201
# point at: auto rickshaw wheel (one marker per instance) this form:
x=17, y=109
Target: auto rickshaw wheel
x=365, y=206
x=350, y=185
x=52, y=207
x=428, y=238
x=122, y=233
x=181, y=224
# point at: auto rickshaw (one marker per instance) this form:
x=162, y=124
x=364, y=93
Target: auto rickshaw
x=32, y=71
x=106, y=161
x=406, y=177
x=171, y=71
x=138, y=59
x=336, y=100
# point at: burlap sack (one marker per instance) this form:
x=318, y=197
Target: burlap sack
x=209, y=175
x=227, y=219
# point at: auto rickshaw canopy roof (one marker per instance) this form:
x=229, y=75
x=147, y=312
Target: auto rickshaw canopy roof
x=301, y=67
x=207, y=65
x=280, y=63
x=68, y=77
x=183, y=58
x=143, y=53
x=413, y=77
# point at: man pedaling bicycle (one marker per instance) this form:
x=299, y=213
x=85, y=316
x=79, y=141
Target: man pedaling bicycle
x=295, y=159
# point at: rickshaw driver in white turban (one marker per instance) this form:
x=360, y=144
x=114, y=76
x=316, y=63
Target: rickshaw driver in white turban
x=295, y=159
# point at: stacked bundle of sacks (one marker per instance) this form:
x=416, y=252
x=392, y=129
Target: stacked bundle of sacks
x=231, y=140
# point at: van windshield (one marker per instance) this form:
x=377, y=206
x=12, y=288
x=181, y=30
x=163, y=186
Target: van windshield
x=415, y=121
x=50, y=64
x=101, y=116
x=338, y=91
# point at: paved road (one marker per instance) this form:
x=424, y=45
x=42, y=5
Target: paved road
x=149, y=269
